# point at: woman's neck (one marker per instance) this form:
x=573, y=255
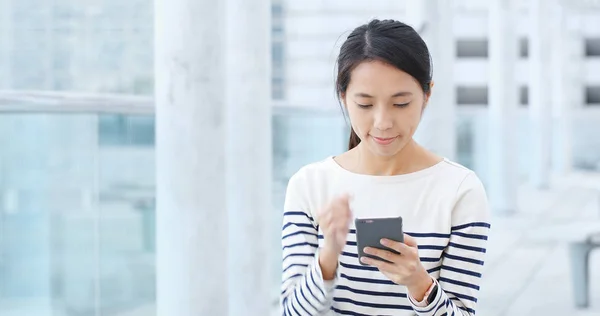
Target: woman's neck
x=411, y=158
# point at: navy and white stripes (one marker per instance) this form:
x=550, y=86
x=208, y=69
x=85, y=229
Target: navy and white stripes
x=456, y=266
x=304, y=292
x=444, y=208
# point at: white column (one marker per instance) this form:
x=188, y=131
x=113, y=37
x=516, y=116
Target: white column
x=503, y=164
x=573, y=84
x=539, y=96
x=415, y=13
x=49, y=41
x=248, y=157
x=190, y=161
x=561, y=83
x=434, y=20
x=6, y=39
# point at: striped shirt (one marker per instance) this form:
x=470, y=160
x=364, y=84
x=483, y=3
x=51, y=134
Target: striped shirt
x=443, y=207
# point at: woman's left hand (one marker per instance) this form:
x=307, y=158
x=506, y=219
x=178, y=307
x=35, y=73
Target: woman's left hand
x=404, y=268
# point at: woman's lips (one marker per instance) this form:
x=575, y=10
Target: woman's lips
x=384, y=140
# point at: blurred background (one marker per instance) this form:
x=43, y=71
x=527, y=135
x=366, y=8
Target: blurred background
x=517, y=99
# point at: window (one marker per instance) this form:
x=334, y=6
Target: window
x=277, y=91
x=465, y=142
x=278, y=73
x=592, y=95
x=524, y=96
x=277, y=52
x=472, y=48
x=592, y=47
x=126, y=130
x=277, y=9
x=472, y=95
x=523, y=47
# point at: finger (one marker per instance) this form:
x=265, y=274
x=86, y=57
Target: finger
x=341, y=229
x=381, y=265
x=398, y=246
x=343, y=201
x=334, y=203
x=342, y=213
x=410, y=241
x=383, y=254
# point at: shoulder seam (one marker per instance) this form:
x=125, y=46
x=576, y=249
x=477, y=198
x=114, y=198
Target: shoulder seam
x=459, y=166
x=469, y=173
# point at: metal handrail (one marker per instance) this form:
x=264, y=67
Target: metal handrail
x=73, y=102
x=30, y=101
x=68, y=102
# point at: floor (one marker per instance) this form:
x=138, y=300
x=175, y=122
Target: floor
x=527, y=270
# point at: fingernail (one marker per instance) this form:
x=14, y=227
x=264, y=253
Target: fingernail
x=384, y=242
x=364, y=259
x=367, y=250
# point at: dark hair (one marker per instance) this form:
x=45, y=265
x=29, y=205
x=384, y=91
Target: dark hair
x=388, y=41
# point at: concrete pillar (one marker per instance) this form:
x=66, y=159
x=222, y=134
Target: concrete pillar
x=502, y=110
x=190, y=158
x=562, y=107
x=540, y=108
x=248, y=157
x=433, y=19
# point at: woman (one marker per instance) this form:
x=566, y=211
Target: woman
x=384, y=82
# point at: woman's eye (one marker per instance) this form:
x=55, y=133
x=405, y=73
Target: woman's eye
x=364, y=106
x=402, y=105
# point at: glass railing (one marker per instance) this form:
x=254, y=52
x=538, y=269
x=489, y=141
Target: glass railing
x=76, y=216
x=77, y=206
x=77, y=202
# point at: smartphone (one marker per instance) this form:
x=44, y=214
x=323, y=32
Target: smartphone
x=370, y=231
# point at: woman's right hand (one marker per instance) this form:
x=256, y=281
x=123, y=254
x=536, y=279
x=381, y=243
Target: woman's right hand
x=334, y=221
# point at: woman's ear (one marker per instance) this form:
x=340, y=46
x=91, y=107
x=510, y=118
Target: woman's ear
x=343, y=99
x=428, y=94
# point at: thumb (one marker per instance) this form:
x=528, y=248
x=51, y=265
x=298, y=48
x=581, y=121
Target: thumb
x=346, y=197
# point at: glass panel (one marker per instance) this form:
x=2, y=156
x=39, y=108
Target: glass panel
x=127, y=215
x=47, y=214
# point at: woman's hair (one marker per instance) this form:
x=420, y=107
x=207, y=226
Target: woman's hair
x=388, y=41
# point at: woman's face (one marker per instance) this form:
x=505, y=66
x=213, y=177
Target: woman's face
x=385, y=106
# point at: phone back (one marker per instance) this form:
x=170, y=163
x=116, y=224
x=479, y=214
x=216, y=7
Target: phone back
x=370, y=231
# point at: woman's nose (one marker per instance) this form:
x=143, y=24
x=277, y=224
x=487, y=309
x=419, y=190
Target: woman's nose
x=383, y=120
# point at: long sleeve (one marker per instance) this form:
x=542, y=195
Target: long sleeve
x=304, y=292
x=463, y=258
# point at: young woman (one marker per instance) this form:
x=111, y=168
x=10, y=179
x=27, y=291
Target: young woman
x=384, y=82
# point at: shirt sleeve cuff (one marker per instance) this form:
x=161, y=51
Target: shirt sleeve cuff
x=422, y=306
x=328, y=284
